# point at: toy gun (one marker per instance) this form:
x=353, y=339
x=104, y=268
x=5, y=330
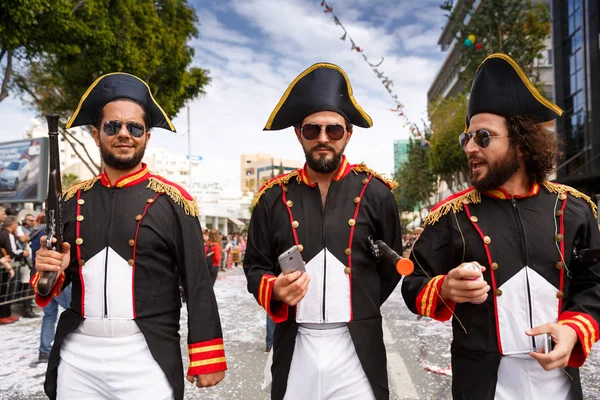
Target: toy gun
x=379, y=248
x=54, y=206
x=587, y=256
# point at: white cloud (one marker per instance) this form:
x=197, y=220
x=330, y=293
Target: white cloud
x=211, y=29
x=255, y=48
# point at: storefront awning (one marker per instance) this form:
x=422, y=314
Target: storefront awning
x=237, y=221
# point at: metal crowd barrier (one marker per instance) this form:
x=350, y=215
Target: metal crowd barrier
x=16, y=288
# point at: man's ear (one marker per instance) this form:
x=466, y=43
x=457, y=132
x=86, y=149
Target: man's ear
x=298, y=134
x=96, y=135
x=519, y=152
x=349, y=135
x=148, y=134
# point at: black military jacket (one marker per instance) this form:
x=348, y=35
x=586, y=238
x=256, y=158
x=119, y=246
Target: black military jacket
x=132, y=242
x=348, y=285
x=527, y=245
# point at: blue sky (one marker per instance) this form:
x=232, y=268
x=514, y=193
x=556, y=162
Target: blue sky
x=255, y=48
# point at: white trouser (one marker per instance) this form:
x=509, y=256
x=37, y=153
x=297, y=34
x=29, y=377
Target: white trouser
x=325, y=367
x=105, y=367
x=522, y=377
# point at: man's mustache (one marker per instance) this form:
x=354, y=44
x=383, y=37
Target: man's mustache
x=320, y=147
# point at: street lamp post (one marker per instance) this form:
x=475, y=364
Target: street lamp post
x=189, y=149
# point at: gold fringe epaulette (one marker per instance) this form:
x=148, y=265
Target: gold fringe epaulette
x=362, y=167
x=453, y=203
x=275, y=182
x=559, y=189
x=189, y=205
x=83, y=185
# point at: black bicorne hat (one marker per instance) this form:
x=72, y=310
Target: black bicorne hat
x=114, y=86
x=322, y=87
x=501, y=87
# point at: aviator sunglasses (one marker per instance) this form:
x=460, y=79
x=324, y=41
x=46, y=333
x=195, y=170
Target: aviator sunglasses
x=481, y=136
x=312, y=131
x=136, y=130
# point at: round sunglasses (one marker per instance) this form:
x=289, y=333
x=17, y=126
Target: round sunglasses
x=312, y=131
x=481, y=136
x=136, y=130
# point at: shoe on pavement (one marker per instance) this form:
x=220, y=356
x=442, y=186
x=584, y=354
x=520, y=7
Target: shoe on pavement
x=6, y=321
x=43, y=358
x=13, y=317
x=268, y=348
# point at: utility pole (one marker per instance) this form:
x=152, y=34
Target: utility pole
x=189, y=149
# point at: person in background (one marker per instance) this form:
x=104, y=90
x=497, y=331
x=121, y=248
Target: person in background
x=28, y=224
x=270, y=336
x=19, y=257
x=7, y=274
x=21, y=234
x=214, y=248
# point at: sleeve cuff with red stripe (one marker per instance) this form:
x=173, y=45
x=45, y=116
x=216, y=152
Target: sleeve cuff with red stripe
x=429, y=303
x=587, y=331
x=277, y=310
x=43, y=301
x=207, y=357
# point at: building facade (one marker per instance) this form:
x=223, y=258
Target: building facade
x=400, y=153
x=576, y=39
x=256, y=169
x=447, y=82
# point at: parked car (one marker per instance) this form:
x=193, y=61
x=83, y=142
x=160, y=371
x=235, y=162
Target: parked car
x=16, y=172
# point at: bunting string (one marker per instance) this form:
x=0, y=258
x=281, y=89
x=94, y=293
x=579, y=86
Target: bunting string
x=385, y=81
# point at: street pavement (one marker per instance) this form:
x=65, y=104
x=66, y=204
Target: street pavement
x=412, y=344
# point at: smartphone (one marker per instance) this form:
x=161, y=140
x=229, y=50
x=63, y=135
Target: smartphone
x=291, y=260
x=547, y=340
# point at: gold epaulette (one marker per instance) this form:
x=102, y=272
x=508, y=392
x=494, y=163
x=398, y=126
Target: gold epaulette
x=558, y=189
x=83, y=185
x=362, y=167
x=274, y=182
x=176, y=193
x=453, y=203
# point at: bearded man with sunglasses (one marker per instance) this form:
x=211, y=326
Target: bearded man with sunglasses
x=524, y=237
x=130, y=237
x=328, y=335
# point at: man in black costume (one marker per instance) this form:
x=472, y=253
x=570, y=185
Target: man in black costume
x=130, y=237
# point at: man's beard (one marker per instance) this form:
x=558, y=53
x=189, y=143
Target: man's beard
x=322, y=164
x=122, y=162
x=497, y=173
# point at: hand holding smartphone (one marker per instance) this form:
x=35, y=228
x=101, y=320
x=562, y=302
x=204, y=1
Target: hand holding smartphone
x=291, y=260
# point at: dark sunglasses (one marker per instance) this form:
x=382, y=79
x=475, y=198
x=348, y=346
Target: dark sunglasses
x=312, y=131
x=482, y=138
x=136, y=130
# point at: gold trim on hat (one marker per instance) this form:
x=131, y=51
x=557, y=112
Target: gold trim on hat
x=302, y=75
x=87, y=92
x=526, y=81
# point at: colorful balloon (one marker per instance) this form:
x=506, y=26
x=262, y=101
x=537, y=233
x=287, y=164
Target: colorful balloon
x=478, y=46
x=468, y=42
x=472, y=38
